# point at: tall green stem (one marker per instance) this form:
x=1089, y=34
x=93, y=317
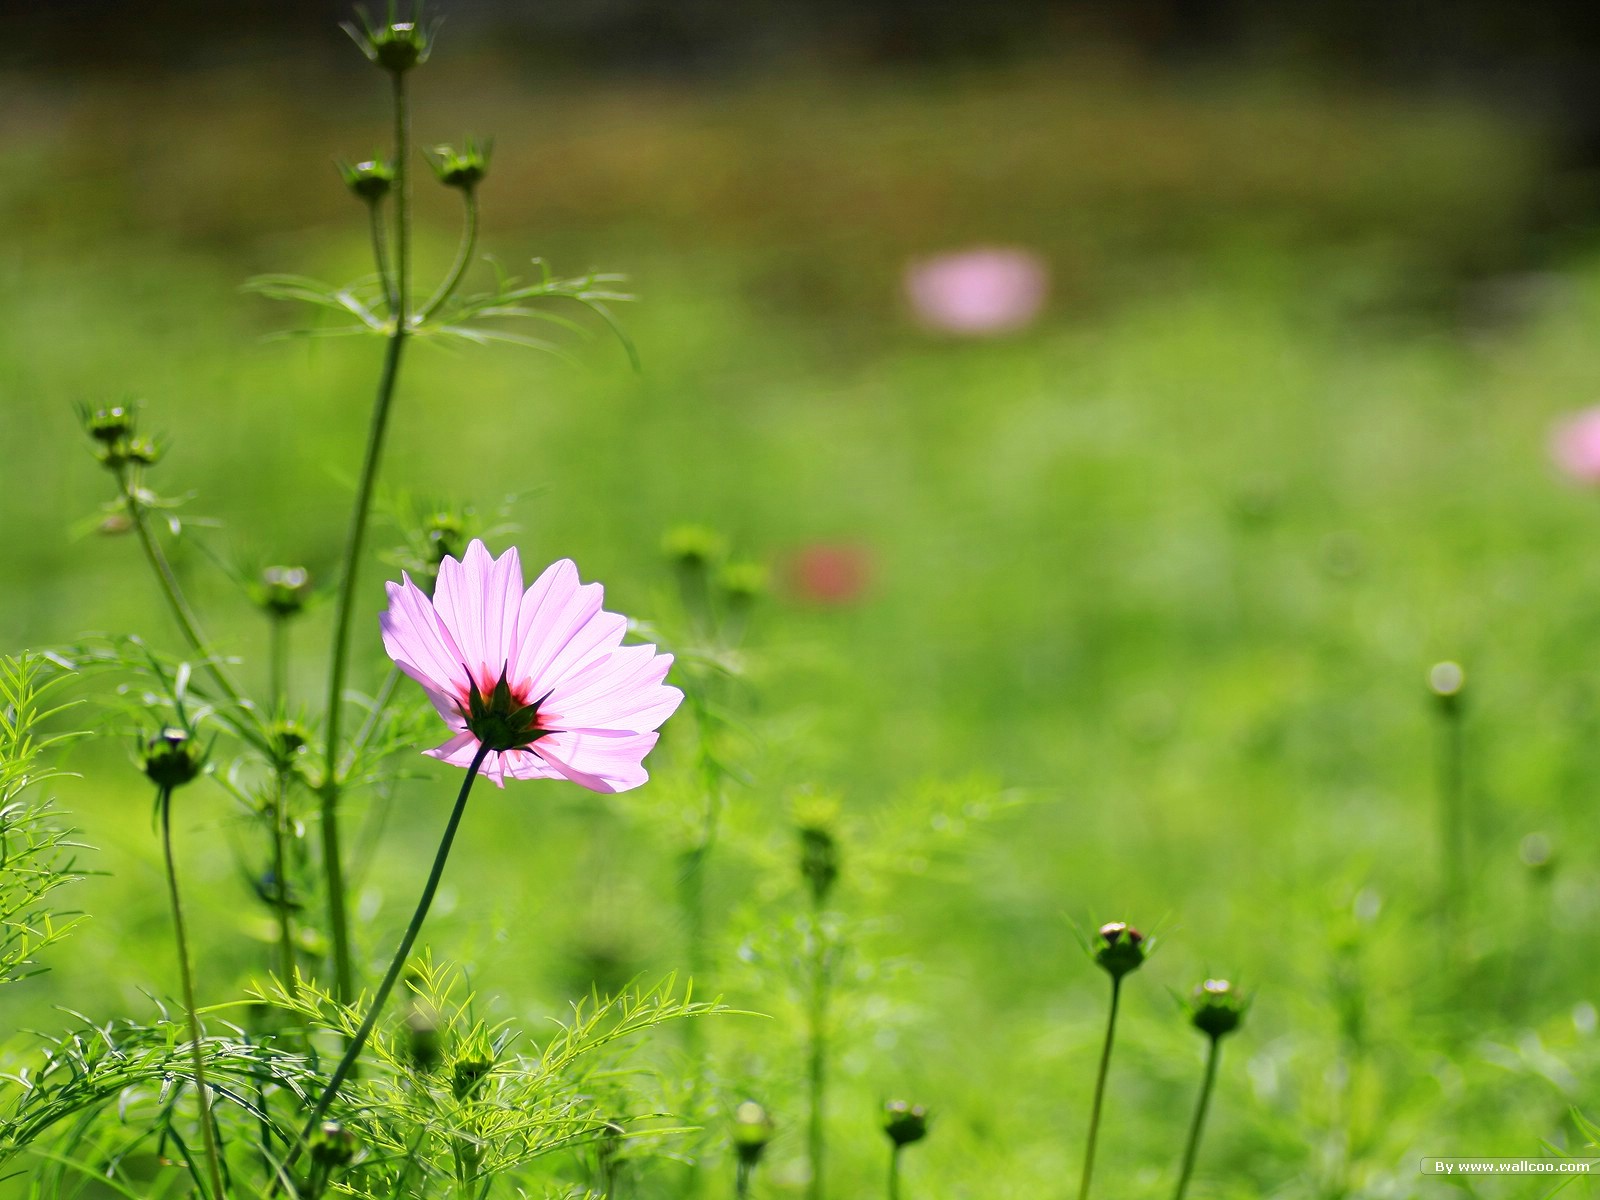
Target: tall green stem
x=1193, y=1148
x=894, y=1173
x=186, y=976
x=817, y=1074
x=332, y=855
x=396, y=965
x=380, y=252
x=188, y=623
x=1451, y=776
x=1100, y=1088
x=278, y=803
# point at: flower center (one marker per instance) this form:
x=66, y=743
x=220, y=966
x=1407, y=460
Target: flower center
x=504, y=719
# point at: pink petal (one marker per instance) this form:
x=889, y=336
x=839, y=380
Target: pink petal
x=601, y=760
x=622, y=691
x=477, y=600
x=554, y=610
x=419, y=645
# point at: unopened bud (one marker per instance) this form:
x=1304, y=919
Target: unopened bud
x=463, y=168
x=468, y=1075
x=285, y=590
x=1121, y=949
x=332, y=1145
x=370, y=180
x=144, y=450
x=423, y=1043
x=694, y=547
x=753, y=1128
x=904, y=1123
x=1447, y=681
x=1216, y=1008
x=108, y=426
x=171, y=758
x=396, y=46
x=743, y=583
x=819, y=860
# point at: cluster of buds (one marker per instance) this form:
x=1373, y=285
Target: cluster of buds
x=1216, y=1008
x=117, y=441
x=1121, y=949
x=904, y=1123
x=700, y=556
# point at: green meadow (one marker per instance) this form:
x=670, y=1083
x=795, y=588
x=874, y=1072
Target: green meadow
x=1151, y=589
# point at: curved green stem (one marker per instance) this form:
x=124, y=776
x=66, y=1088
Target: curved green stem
x=188, y=623
x=1100, y=1089
x=469, y=240
x=396, y=965
x=380, y=252
x=1193, y=1148
x=186, y=975
x=332, y=856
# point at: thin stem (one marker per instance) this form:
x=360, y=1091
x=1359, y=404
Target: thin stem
x=332, y=859
x=280, y=876
x=816, y=1140
x=396, y=965
x=186, y=975
x=1193, y=1148
x=182, y=613
x=380, y=252
x=370, y=725
x=1100, y=1088
x=894, y=1173
x=1451, y=775
x=741, y=1180
x=278, y=657
x=469, y=240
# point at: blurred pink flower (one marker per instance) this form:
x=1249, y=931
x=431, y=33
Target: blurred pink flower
x=977, y=292
x=832, y=574
x=540, y=677
x=1575, y=446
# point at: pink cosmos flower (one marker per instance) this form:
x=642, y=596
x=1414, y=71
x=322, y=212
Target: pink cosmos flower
x=978, y=292
x=1575, y=446
x=540, y=676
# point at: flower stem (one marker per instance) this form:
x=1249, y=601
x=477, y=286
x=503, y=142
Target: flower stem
x=1100, y=1089
x=1193, y=1148
x=396, y=965
x=380, y=252
x=469, y=240
x=741, y=1180
x=817, y=1074
x=188, y=623
x=332, y=858
x=280, y=876
x=1450, y=776
x=186, y=976
x=894, y=1173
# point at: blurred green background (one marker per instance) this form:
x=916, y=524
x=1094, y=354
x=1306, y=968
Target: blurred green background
x=1151, y=586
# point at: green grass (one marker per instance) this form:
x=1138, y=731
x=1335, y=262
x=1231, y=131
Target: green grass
x=1155, y=587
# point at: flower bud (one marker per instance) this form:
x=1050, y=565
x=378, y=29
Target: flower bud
x=171, y=759
x=144, y=450
x=463, y=168
x=468, y=1075
x=694, y=547
x=108, y=426
x=1537, y=855
x=445, y=533
x=285, y=590
x=288, y=738
x=423, y=1043
x=332, y=1145
x=1121, y=949
x=904, y=1123
x=819, y=860
x=1446, y=680
x=753, y=1127
x=370, y=180
x=396, y=46
x=743, y=583
x=1216, y=1008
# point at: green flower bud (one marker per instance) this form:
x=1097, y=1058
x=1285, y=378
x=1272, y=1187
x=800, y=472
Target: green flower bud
x=819, y=860
x=753, y=1128
x=171, y=759
x=445, y=533
x=108, y=426
x=423, y=1042
x=468, y=1075
x=288, y=739
x=1216, y=1008
x=370, y=180
x=285, y=590
x=743, y=583
x=1447, y=681
x=463, y=168
x=904, y=1123
x=332, y=1145
x=396, y=46
x=1121, y=949
x=694, y=547
x=146, y=451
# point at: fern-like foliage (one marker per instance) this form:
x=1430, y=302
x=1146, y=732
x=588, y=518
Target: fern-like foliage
x=37, y=854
